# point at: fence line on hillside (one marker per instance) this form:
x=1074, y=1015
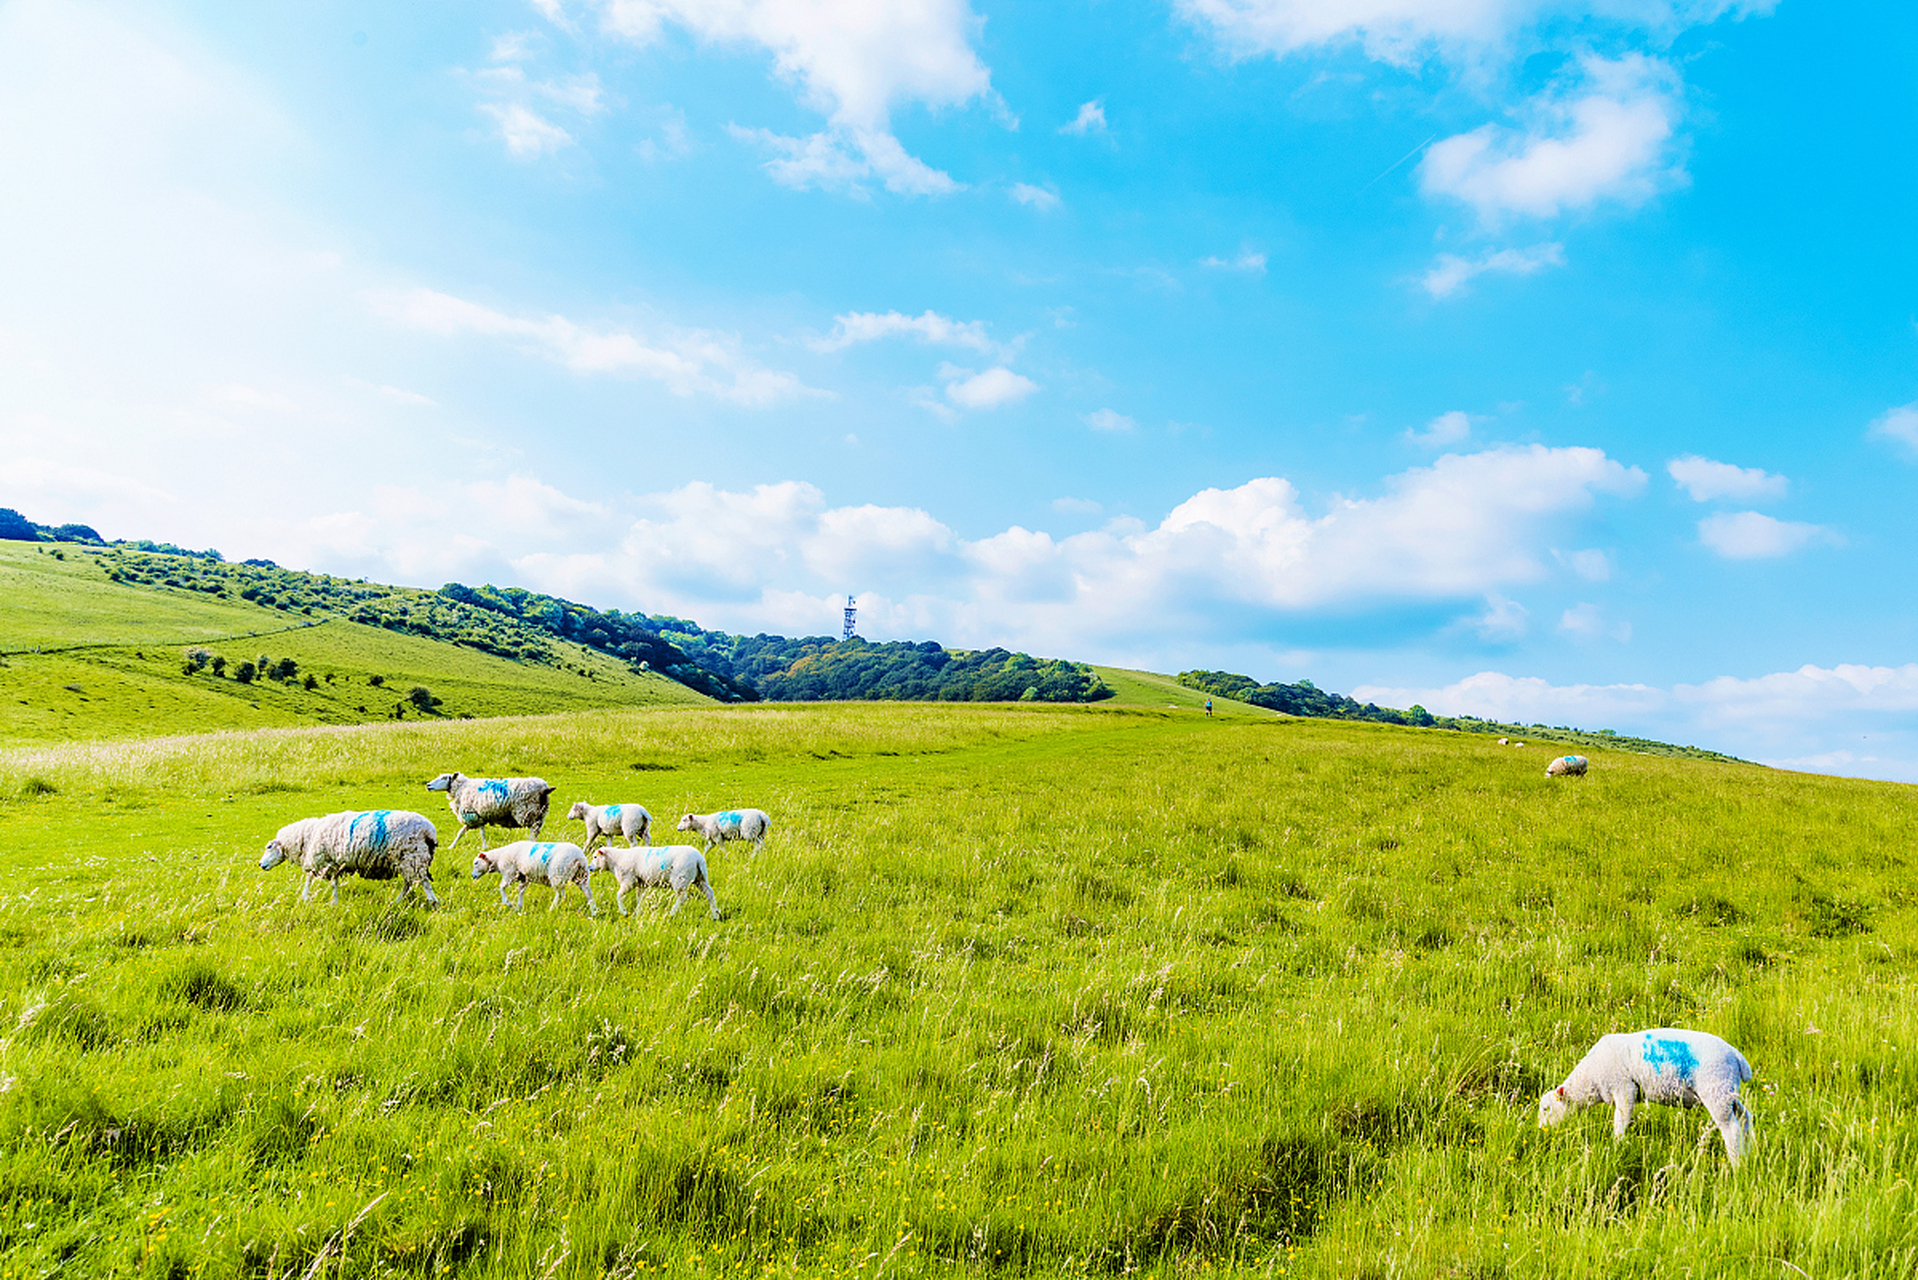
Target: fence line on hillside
x=150, y=644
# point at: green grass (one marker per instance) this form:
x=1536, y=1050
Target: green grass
x=126, y=679
x=1149, y=689
x=1010, y=990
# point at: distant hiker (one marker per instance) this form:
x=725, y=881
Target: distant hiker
x=1208, y=708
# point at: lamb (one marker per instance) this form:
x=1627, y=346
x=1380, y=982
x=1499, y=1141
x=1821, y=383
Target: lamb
x=378, y=844
x=1679, y=1068
x=678, y=865
x=734, y=824
x=604, y=821
x=1567, y=766
x=557, y=863
x=493, y=802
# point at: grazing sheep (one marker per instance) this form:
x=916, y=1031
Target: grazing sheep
x=480, y=803
x=1679, y=1068
x=556, y=863
x=1567, y=766
x=678, y=865
x=604, y=821
x=378, y=844
x=734, y=824
x=1504, y=742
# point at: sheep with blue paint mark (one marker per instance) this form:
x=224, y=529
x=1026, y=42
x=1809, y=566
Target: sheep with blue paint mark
x=479, y=803
x=377, y=844
x=1567, y=767
x=604, y=821
x=678, y=865
x=733, y=824
x=551, y=862
x=1666, y=1065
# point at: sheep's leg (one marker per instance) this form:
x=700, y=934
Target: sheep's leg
x=559, y=891
x=1734, y=1125
x=711, y=901
x=426, y=887
x=619, y=899
x=503, y=900
x=460, y=835
x=1622, y=1103
x=586, y=887
x=336, y=889
x=306, y=886
x=519, y=903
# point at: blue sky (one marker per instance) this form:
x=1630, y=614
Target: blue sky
x=1520, y=358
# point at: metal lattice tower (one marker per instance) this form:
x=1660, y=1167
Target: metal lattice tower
x=852, y=612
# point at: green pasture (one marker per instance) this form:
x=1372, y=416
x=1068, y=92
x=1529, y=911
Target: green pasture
x=1009, y=991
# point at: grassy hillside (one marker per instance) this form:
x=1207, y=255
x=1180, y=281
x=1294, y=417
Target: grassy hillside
x=118, y=649
x=1010, y=990
x=1149, y=689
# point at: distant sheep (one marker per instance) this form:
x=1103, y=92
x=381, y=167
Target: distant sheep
x=734, y=824
x=604, y=821
x=1678, y=1068
x=1567, y=767
x=678, y=865
x=550, y=862
x=378, y=844
x=480, y=803
x=1504, y=742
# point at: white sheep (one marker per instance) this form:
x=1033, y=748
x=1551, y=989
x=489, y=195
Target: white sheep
x=1678, y=1068
x=678, y=865
x=604, y=821
x=480, y=803
x=554, y=862
x=377, y=844
x=734, y=824
x=1504, y=742
x=1567, y=766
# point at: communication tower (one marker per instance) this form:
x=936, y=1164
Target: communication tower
x=852, y=613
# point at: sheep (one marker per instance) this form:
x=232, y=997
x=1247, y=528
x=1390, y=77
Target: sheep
x=1679, y=1068
x=734, y=824
x=557, y=863
x=1504, y=742
x=604, y=821
x=678, y=865
x=378, y=844
x=1567, y=766
x=480, y=803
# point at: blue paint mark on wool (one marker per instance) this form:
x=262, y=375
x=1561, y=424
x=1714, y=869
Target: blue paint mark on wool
x=494, y=787
x=1675, y=1054
x=612, y=811
x=378, y=818
x=545, y=852
x=730, y=817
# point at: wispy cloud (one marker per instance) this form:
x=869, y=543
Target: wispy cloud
x=1706, y=480
x=1040, y=198
x=1751, y=535
x=1447, y=428
x=1449, y=272
x=856, y=327
x=1899, y=424
x=1249, y=261
x=1108, y=420
x=991, y=389
x=1091, y=119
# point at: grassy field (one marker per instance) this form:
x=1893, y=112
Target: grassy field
x=1010, y=990
x=125, y=678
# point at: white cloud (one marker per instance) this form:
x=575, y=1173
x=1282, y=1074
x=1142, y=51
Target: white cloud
x=1751, y=535
x=675, y=139
x=527, y=134
x=1039, y=198
x=1588, y=622
x=1900, y=424
x=871, y=326
x=1406, y=32
x=1602, y=136
x=1077, y=506
x=1249, y=261
x=508, y=97
x=685, y=362
x=1449, y=272
x=1591, y=565
x=1108, y=420
x=1091, y=119
x=1706, y=480
x=853, y=60
x=1447, y=428
x=1503, y=622
x=988, y=390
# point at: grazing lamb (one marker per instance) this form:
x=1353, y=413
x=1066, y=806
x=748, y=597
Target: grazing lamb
x=377, y=845
x=1567, y=766
x=557, y=864
x=678, y=865
x=480, y=803
x=1504, y=742
x=604, y=821
x=1679, y=1068
x=734, y=824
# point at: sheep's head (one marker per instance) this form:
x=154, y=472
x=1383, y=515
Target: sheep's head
x=597, y=862
x=483, y=864
x=686, y=823
x=445, y=782
x=1553, y=1106
x=578, y=812
x=273, y=856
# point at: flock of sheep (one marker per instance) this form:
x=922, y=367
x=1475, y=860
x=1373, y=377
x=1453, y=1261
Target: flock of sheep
x=1664, y=1065
x=386, y=844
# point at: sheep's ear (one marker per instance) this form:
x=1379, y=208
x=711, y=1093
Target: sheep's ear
x=1561, y=1093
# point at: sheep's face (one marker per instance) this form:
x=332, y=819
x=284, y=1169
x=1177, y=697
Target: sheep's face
x=686, y=823
x=1552, y=1107
x=273, y=856
x=578, y=812
x=482, y=865
x=597, y=862
x=442, y=783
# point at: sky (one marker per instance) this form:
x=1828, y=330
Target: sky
x=1542, y=361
